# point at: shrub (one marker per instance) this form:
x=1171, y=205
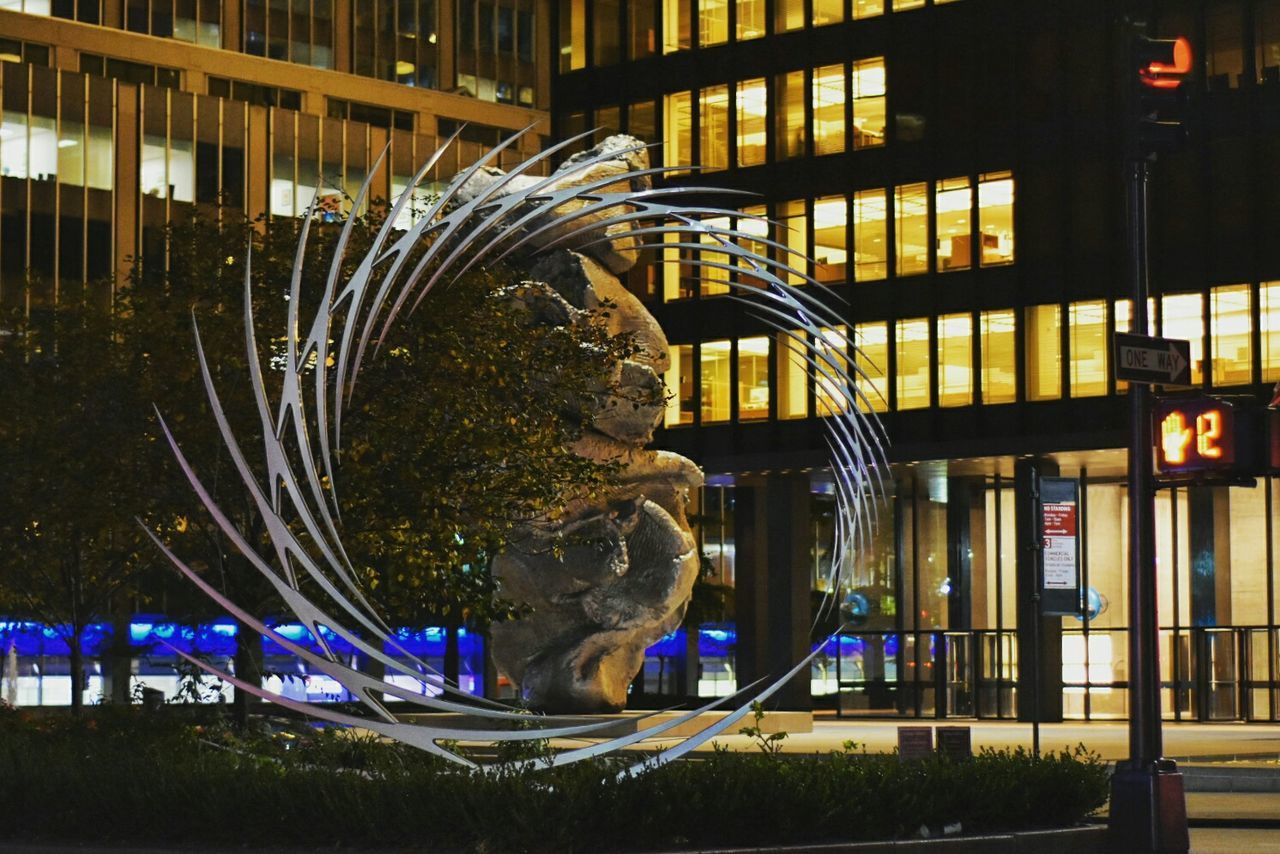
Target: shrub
x=164, y=778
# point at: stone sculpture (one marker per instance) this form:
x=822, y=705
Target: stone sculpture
x=626, y=577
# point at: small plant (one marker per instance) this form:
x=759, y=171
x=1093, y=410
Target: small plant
x=770, y=744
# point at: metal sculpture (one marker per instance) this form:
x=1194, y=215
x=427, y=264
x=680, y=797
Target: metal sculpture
x=483, y=217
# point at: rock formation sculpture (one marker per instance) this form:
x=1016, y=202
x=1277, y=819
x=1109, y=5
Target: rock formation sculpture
x=626, y=577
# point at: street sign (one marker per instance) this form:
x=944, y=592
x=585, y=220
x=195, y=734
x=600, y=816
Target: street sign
x=1060, y=536
x=1145, y=359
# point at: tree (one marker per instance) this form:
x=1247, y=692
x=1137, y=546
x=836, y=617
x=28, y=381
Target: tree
x=459, y=435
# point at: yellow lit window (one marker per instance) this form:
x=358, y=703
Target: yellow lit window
x=867, y=8
x=955, y=360
x=788, y=15
x=1044, y=352
x=714, y=280
x=678, y=280
x=753, y=122
x=952, y=203
x=829, y=254
x=830, y=387
x=872, y=360
x=1089, y=351
x=904, y=5
x=789, y=119
x=793, y=374
x=827, y=12
x=999, y=360
x=753, y=378
x=1182, y=316
x=911, y=222
x=828, y=109
x=1232, y=334
x=750, y=19
x=677, y=129
x=911, y=345
x=995, y=217
x=870, y=235
x=573, y=34
x=1269, y=323
x=679, y=381
x=713, y=358
x=676, y=26
x=754, y=223
x=713, y=106
x=713, y=22
x=867, y=88
x=794, y=235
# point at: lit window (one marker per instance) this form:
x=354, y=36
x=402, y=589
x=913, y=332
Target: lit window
x=870, y=235
x=608, y=120
x=679, y=381
x=788, y=15
x=713, y=22
x=911, y=345
x=904, y=5
x=753, y=122
x=911, y=222
x=793, y=374
x=678, y=280
x=753, y=378
x=169, y=171
x=868, y=91
x=642, y=16
x=573, y=35
x=1182, y=316
x=750, y=19
x=713, y=109
x=1044, y=352
x=995, y=217
x=827, y=12
x=31, y=7
x=1269, y=322
x=789, y=117
x=830, y=387
x=793, y=225
x=872, y=360
x=99, y=160
x=829, y=254
x=867, y=8
x=952, y=203
x=828, y=109
x=714, y=280
x=955, y=360
x=755, y=223
x=1087, y=323
x=999, y=362
x=714, y=363
x=676, y=26
x=1232, y=334
x=677, y=129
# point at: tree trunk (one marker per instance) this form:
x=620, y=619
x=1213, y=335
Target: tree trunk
x=77, y=674
x=248, y=666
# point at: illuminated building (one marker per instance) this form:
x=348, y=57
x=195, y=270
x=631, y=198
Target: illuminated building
x=119, y=115
x=954, y=170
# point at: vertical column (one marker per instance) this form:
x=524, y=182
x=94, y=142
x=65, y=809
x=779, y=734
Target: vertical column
x=771, y=530
x=1049, y=659
x=128, y=154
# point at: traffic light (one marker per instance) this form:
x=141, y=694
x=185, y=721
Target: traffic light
x=1160, y=68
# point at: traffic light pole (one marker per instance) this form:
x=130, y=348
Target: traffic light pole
x=1148, y=807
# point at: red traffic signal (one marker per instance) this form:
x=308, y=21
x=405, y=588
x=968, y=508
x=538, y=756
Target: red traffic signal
x=1159, y=99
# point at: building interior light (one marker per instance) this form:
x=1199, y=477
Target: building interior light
x=10, y=57
x=66, y=142
x=404, y=68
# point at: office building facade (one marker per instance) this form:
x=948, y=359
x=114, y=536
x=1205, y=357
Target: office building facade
x=955, y=171
x=121, y=115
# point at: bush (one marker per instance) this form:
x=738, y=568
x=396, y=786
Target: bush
x=163, y=778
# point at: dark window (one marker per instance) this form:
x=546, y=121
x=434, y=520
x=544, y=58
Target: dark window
x=206, y=172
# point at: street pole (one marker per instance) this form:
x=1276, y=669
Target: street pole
x=1148, y=807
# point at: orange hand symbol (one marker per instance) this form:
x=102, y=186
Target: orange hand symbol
x=1175, y=437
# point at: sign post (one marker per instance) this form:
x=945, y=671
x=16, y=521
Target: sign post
x=1057, y=590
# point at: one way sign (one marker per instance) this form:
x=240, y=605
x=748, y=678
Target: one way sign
x=1143, y=359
